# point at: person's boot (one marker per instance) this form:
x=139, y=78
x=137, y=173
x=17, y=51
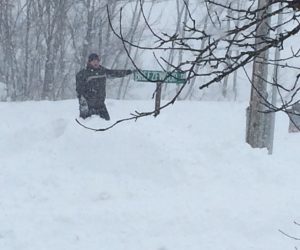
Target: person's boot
x=105, y=116
x=103, y=113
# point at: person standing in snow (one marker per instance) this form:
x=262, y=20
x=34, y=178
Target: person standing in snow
x=91, y=87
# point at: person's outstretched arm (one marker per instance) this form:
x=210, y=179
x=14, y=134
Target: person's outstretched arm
x=115, y=73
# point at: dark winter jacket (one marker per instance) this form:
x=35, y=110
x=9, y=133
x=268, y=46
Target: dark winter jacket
x=91, y=83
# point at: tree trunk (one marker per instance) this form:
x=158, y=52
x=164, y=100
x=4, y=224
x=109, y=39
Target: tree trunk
x=49, y=64
x=28, y=23
x=170, y=60
x=9, y=51
x=225, y=83
x=88, y=37
x=122, y=91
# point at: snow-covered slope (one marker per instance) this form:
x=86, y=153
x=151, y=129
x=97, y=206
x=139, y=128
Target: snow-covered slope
x=183, y=181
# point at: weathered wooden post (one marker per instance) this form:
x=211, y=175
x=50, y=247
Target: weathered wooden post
x=158, y=98
x=274, y=89
x=257, y=120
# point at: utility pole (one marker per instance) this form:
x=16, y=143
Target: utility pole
x=257, y=120
x=274, y=88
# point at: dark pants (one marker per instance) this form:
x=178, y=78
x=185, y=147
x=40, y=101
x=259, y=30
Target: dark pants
x=88, y=108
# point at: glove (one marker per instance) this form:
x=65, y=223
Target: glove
x=83, y=102
x=83, y=107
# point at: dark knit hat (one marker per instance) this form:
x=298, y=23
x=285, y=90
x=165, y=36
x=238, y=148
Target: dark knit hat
x=93, y=56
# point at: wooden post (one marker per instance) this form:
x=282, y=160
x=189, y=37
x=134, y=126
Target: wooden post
x=257, y=119
x=157, y=98
x=274, y=89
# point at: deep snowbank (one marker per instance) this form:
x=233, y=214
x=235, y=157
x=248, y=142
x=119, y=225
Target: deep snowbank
x=185, y=180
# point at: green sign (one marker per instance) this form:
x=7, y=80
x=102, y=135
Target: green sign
x=159, y=76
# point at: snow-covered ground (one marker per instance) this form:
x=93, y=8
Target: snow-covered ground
x=183, y=181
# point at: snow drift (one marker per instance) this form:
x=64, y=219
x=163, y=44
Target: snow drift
x=185, y=180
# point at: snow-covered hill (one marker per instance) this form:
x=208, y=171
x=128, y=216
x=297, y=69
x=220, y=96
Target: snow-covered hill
x=183, y=181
